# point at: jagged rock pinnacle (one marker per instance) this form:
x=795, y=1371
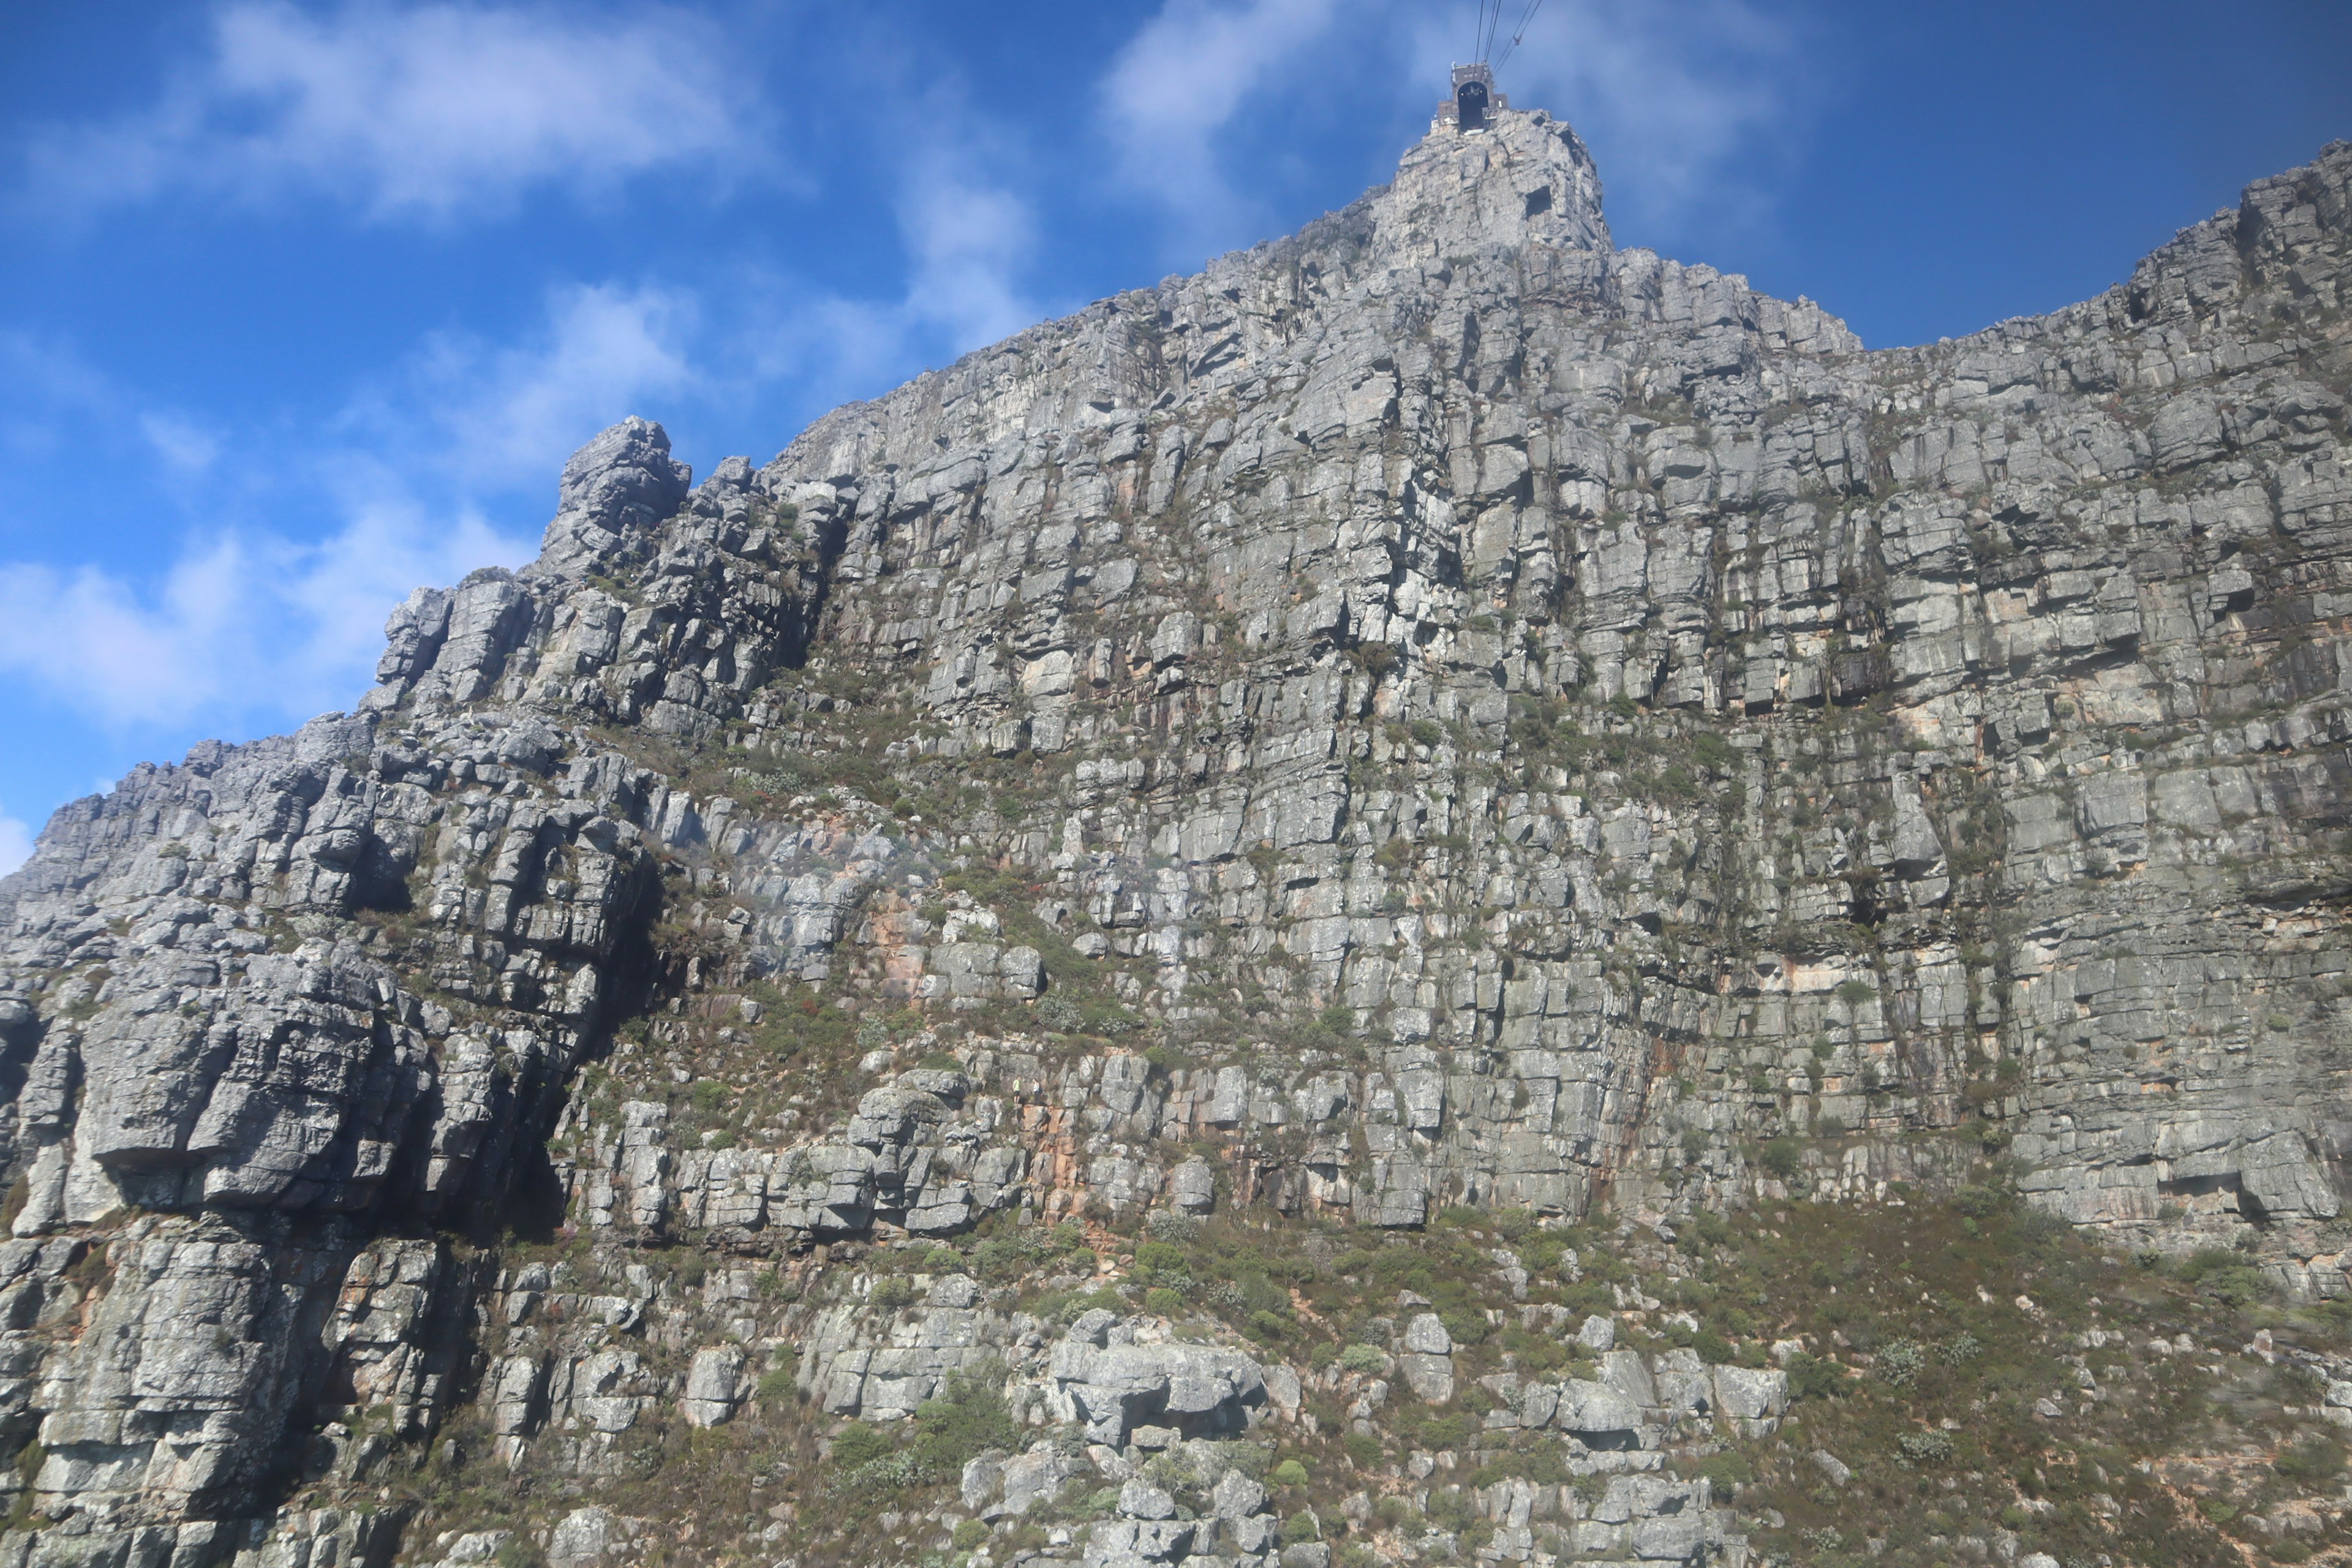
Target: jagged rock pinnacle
x=614, y=491
x=1524, y=178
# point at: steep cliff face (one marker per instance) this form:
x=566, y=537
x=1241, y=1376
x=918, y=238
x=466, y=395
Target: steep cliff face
x=1434, y=711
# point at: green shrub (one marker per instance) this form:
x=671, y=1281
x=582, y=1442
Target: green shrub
x=1978, y=1202
x=1163, y=1302
x=859, y=1444
x=1301, y=1527
x=1363, y=1450
x=2222, y=1275
x=1782, y=1157
x=967, y=1416
x=1159, y=1260
x=1900, y=1362
x=1815, y=1377
x=2316, y=1459
x=1854, y=993
x=1466, y=1328
x=1703, y=1230
x=1267, y=1328
x=1727, y=1469
x=1289, y=1473
x=1361, y=1358
x=1926, y=1447
x=969, y=1535
x=1442, y=1432
x=1096, y=1504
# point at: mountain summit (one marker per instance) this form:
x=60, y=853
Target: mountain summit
x=1241, y=929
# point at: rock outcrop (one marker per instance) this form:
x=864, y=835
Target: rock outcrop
x=1437, y=710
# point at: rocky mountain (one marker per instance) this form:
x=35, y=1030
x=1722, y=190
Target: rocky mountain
x=1131, y=949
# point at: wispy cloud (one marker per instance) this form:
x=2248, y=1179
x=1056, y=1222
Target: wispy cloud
x=243, y=626
x=498, y=415
x=420, y=110
x=966, y=240
x=1182, y=80
x=257, y=624
x=179, y=442
x=969, y=236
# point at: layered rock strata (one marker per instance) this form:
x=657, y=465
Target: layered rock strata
x=1507, y=721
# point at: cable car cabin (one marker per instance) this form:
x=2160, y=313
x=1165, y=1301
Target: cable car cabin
x=1470, y=106
x=1474, y=99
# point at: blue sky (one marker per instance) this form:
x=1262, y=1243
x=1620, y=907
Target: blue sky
x=307, y=303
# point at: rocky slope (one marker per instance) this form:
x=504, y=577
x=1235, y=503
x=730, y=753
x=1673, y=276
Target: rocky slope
x=1435, y=715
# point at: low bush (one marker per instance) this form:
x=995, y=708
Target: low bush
x=1925, y=1447
x=2316, y=1458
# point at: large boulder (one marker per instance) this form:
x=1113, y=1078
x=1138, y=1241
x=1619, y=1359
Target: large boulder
x=615, y=490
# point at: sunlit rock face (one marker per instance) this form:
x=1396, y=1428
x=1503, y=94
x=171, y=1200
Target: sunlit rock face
x=1432, y=710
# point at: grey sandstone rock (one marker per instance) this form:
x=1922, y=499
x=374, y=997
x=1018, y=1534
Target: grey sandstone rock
x=1426, y=1332
x=711, y=1386
x=1110, y=728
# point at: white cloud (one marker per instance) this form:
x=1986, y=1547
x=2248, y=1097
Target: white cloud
x=420, y=110
x=1180, y=82
x=967, y=241
x=508, y=414
x=44, y=382
x=242, y=626
x=180, y=444
x=16, y=843
x=251, y=624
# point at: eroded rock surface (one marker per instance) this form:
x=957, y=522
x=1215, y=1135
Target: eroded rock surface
x=1437, y=710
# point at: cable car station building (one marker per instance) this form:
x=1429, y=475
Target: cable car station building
x=1473, y=98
